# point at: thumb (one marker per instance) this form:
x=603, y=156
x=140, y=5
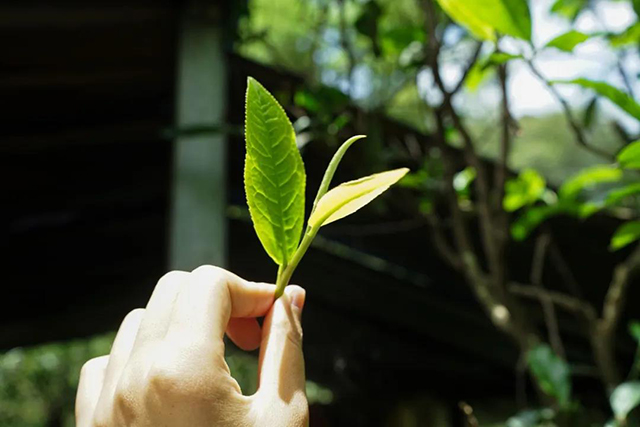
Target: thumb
x=281, y=365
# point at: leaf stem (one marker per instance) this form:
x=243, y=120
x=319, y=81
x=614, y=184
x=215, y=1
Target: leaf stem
x=331, y=169
x=285, y=272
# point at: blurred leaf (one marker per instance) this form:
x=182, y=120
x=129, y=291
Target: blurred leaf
x=619, y=194
x=615, y=95
x=484, y=18
x=588, y=178
x=524, y=190
x=499, y=58
x=630, y=36
x=626, y=234
x=349, y=197
x=634, y=330
x=274, y=175
x=551, y=373
x=590, y=113
x=568, y=8
x=398, y=38
x=624, y=399
x=463, y=179
x=568, y=41
x=477, y=75
x=629, y=156
x=530, y=219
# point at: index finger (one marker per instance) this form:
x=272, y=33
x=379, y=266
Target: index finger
x=209, y=299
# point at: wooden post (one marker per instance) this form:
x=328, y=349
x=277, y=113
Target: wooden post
x=198, y=221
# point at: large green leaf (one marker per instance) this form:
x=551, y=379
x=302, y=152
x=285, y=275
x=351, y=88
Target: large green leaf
x=568, y=41
x=348, y=197
x=625, y=398
x=484, y=17
x=274, y=174
x=588, y=178
x=551, y=373
x=629, y=156
x=615, y=95
x=524, y=190
x=634, y=330
x=626, y=234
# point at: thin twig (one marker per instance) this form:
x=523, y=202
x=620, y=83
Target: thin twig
x=580, y=138
x=548, y=309
x=569, y=303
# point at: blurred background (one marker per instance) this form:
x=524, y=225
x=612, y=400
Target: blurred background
x=497, y=285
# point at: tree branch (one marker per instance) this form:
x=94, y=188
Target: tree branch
x=569, y=303
x=568, y=113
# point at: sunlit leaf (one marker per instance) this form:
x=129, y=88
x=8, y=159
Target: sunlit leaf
x=462, y=180
x=551, y=373
x=615, y=95
x=348, y=197
x=625, y=398
x=629, y=156
x=626, y=234
x=568, y=41
x=524, y=190
x=568, y=8
x=531, y=219
x=630, y=36
x=616, y=196
x=484, y=17
x=588, y=178
x=274, y=174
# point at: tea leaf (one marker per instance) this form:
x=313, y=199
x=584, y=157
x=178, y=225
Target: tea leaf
x=348, y=197
x=274, y=174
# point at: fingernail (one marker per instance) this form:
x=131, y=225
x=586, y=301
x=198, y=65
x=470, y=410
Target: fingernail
x=297, y=297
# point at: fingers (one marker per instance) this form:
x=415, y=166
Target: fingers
x=281, y=365
x=208, y=300
x=120, y=352
x=89, y=387
x=158, y=312
x=245, y=332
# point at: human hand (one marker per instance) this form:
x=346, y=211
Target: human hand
x=167, y=367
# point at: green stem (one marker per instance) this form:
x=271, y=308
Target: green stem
x=331, y=169
x=285, y=272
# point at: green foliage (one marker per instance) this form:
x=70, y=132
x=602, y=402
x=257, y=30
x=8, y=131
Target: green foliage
x=629, y=156
x=524, y=190
x=626, y=234
x=613, y=94
x=484, y=18
x=587, y=179
x=624, y=399
x=568, y=41
x=551, y=373
x=568, y=8
x=617, y=195
x=630, y=36
x=274, y=175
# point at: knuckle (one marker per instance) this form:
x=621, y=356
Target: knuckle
x=213, y=273
x=134, y=316
x=171, y=279
x=124, y=400
x=91, y=366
